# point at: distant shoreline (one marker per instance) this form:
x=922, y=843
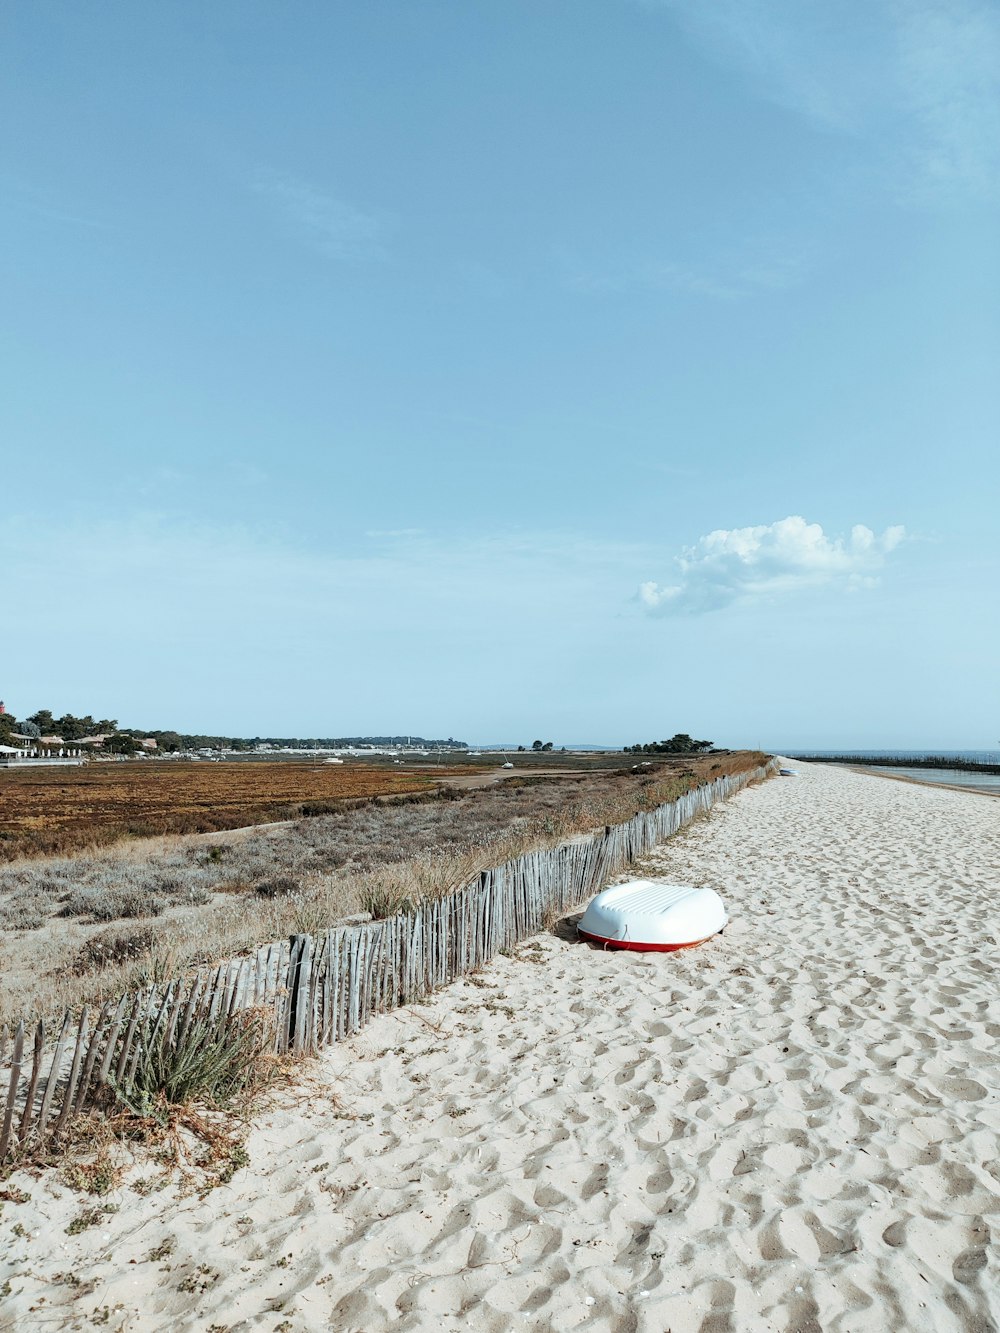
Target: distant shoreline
x=938, y=761
x=877, y=771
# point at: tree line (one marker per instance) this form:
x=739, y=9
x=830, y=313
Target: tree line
x=125, y=740
x=681, y=743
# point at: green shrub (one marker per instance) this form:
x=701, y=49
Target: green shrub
x=213, y=1062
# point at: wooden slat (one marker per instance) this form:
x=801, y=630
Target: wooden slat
x=299, y=1017
x=146, y=1031
x=377, y=968
x=287, y=1025
x=234, y=971
x=15, y=1076
x=174, y=1013
x=337, y=990
x=24, y=1128
x=243, y=990
x=189, y=1009
x=353, y=984
x=364, y=973
x=235, y=989
x=86, y=1074
x=54, y=1070
x=330, y=1013
x=111, y=1043
x=74, y=1070
x=129, y=1038
x=272, y=968
x=214, y=993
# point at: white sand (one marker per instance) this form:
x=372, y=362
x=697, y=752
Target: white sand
x=793, y=1127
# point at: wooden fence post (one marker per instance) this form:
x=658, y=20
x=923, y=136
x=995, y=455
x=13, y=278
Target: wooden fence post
x=15, y=1075
x=29, y=1099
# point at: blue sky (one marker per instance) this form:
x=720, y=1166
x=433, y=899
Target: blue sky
x=586, y=370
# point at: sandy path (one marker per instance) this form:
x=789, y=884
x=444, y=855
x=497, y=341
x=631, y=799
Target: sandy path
x=794, y=1127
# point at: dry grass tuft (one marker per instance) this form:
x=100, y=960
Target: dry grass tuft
x=112, y=948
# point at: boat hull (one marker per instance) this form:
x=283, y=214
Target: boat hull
x=639, y=947
x=651, y=916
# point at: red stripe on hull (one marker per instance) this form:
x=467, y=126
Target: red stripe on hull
x=641, y=948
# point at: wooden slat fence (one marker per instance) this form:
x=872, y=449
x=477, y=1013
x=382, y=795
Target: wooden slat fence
x=319, y=989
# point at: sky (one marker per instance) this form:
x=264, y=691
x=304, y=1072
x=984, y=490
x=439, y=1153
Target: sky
x=587, y=370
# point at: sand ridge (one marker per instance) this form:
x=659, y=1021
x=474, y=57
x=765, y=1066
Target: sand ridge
x=795, y=1126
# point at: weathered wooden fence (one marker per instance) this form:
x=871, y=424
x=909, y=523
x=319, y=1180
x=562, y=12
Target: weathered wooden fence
x=318, y=989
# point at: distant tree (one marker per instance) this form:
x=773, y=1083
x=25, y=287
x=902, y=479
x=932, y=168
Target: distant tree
x=681, y=743
x=44, y=721
x=520, y=749
x=72, y=728
x=536, y=745
x=121, y=744
x=170, y=741
x=547, y=746
x=29, y=728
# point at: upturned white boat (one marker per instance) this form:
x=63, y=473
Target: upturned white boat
x=649, y=915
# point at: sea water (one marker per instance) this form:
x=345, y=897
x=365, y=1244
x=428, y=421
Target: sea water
x=953, y=777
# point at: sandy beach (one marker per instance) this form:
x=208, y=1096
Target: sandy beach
x=794, y=1127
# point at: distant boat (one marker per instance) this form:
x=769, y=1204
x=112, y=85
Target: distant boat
x=648, y=915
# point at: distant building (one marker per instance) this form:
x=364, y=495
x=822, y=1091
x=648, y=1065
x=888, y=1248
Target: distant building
x=39, y=750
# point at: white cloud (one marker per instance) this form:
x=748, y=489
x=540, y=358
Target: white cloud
x=949, y=81
x=329, y=224
x=919, y=76
x=743, y=564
